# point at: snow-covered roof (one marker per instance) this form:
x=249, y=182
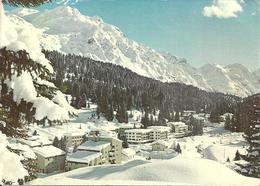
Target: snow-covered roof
x=75, y=133
x=83, y=156
x=160, y=128
x=48, y=151
x=143, y=131
x=25, y=149
x=35, y=141
x=93, y=145
x=128, y=152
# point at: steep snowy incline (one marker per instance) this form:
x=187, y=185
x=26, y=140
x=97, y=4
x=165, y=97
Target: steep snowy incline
x=68, y=31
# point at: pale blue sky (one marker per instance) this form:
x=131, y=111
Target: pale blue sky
x=179, y=27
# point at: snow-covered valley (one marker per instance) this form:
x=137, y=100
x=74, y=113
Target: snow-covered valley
x=203, y=158
x=68, y=119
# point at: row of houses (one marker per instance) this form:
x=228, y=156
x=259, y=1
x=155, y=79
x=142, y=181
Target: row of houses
x=97, y=150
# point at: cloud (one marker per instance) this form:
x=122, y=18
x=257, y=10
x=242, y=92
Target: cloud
x=223, y=9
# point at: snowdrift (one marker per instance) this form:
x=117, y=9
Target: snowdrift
x=174, y=171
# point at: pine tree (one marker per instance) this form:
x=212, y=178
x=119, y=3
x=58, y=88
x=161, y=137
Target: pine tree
x=228, y=122
x=237, y=156
x=178, y=149
x=75, y=148
x=125, y=142
x=177, y=116
x=63, y=144
x=228, y=160
x=56, y=142
x=252, y=135
x=34, y=133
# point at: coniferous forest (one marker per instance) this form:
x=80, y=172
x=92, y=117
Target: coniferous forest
x=115, y=88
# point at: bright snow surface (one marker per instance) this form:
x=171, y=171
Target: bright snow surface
x=174, y=171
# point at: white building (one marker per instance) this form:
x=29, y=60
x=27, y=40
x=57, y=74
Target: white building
x=96, y=151
x=128, y=154
x=49, y=159
x=159, y=132
x=150, y=134
x=74, y=138
x=138, y=135
x=178, y=127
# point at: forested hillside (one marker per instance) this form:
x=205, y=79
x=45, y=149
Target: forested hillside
x=115, y=88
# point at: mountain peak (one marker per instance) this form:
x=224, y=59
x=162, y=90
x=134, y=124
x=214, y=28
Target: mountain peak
x=68, y=31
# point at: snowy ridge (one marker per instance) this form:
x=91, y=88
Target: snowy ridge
x=66, y=30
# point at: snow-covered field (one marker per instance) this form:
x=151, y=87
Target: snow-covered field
x=176, y=171
x=203, y=160
x=84, y=123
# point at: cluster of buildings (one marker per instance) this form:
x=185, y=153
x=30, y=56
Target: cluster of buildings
x=103, y=147
x=99, y=148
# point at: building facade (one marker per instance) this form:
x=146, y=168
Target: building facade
x=49, y=159
x=96, y=151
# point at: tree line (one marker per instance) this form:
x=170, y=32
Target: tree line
x=116, y=89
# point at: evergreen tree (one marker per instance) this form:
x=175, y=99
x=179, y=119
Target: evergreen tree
x=228, y=122
x=197, y=126
x=84, y=139
x=34, y=133
x=63, y=144
x=125, y=142
x=177, y=116
x=56, y=142
x=74, y=148
x=228, y=160
x=237, y=156
x=252, y=135
x=178, y=149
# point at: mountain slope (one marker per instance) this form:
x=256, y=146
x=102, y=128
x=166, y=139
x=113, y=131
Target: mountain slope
x=68, y=31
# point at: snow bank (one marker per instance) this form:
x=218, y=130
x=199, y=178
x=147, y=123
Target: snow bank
x=11, y=168
x=221, y=152
x=173, y=171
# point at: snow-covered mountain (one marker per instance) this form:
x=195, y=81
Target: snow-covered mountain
x=66, y=30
